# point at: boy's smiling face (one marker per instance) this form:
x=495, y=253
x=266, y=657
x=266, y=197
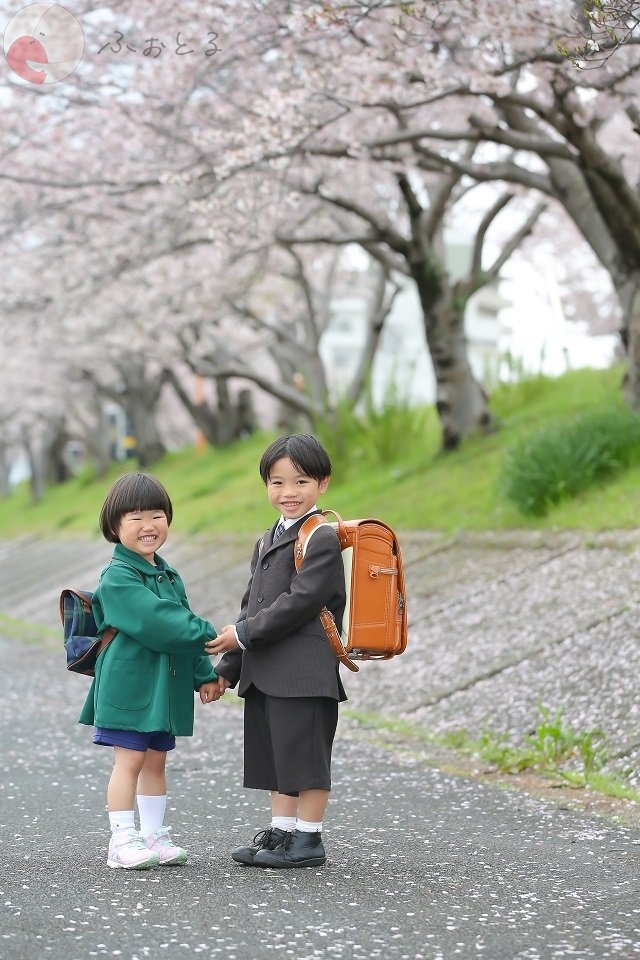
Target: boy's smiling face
x=291, y=492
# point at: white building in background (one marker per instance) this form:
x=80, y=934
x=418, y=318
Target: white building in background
x=537, y=333
x=402, y=358
x=519, y=316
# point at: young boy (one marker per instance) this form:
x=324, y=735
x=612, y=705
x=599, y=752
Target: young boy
x=287, y=672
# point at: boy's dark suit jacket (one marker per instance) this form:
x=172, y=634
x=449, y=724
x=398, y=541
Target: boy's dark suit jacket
x=287, y=652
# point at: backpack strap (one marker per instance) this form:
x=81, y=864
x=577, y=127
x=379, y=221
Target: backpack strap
x=106, y=639
x=306, y=531
x=328, y=622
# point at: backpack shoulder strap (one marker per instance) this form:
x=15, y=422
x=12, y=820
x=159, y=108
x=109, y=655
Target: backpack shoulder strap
x=339, y=526
x=306, y=531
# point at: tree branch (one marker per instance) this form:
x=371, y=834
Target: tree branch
x=485, y=223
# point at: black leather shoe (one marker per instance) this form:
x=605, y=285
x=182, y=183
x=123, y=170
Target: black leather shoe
x=298, y=850
x=264, y=840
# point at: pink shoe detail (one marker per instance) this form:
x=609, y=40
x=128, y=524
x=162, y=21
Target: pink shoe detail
x=168, y=853
x=128, y=851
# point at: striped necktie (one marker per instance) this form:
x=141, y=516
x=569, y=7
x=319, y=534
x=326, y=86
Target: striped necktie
x=279, y=530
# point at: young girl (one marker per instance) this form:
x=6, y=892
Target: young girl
x=287, y=672
x=143, y=690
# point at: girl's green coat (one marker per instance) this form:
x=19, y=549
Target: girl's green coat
x=146, y=678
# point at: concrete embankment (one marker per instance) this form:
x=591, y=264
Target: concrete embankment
x=499, y=623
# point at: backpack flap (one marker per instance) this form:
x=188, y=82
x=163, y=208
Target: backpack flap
x=377, y=608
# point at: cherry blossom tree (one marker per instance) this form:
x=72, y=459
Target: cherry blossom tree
x=556, y=131
x=412, y=243
x=601, y=29
x=570, y=136
x=133, y=189
x=269, y=326
x=115, y=232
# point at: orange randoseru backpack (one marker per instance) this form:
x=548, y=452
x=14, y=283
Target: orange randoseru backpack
x=375, y=616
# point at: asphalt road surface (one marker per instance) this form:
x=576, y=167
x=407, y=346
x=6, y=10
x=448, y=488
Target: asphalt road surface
x=423, y=865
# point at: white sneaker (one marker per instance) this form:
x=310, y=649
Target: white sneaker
x=162, y=845
x=128, y=851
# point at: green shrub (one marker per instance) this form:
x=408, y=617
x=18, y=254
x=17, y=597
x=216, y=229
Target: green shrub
x=553, y=744
x=344, y=434
x=520, y=388
x=376, y=434
x=394, y=427
x=561, y=461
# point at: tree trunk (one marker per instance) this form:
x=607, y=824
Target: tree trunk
x=461, y=402
x=289, y=418
x=149, y=446
x=231, y=419
x=203, y=416
x=55, y=466
x=139, y=396
x=631, y=337
x=97, y=440
x=36, y=475
x=227, y=413
x=5, y=471
x=378, y=309
x=601, y=202
x=246, y=413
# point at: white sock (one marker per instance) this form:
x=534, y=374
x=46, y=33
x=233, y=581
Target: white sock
x=151, y=810
x=284, y=823
x=121, y=820
x=308, y=826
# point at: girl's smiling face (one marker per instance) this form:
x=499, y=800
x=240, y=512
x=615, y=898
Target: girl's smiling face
x=291, y=492
x=143, y=531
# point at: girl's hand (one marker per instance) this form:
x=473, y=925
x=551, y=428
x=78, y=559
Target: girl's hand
x=226, y=640
x=210, y=692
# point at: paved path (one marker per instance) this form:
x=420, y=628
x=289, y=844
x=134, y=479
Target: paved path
x=423, y=865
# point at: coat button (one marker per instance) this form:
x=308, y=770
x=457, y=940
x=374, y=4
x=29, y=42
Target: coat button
x=260, y=599
x=265, y=565
x=159, y=578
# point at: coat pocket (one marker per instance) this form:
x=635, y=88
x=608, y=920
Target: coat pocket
x=126, y=690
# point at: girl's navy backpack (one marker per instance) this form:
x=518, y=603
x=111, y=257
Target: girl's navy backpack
x=81, y=640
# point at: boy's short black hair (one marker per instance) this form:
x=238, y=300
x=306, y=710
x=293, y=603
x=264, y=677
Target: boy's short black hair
x=133, y=491
x=305, y=452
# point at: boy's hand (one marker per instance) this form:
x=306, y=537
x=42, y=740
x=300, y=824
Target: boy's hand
x=210, y=692
x=226, y=640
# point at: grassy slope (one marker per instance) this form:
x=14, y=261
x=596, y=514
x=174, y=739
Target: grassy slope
x=220, y=491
